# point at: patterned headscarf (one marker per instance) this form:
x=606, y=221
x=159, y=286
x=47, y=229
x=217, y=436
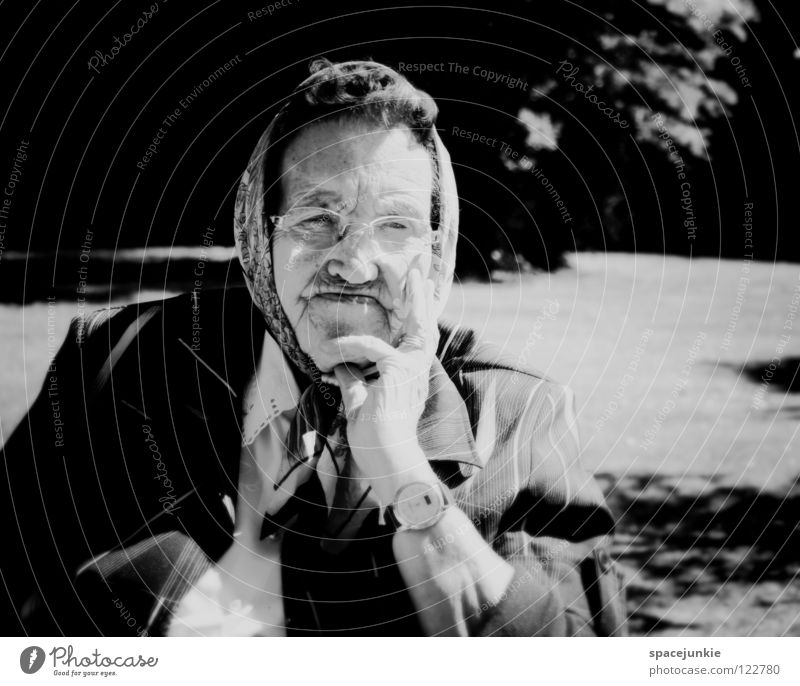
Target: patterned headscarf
x=253, y=245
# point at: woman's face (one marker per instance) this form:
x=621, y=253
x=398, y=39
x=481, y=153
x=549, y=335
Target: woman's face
x=355, y=286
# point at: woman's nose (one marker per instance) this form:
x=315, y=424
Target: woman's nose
x=355, y=258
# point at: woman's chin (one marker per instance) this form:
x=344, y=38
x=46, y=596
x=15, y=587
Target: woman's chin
x=327, y=323
x=322, y=344
x=326, y=363
x=326, y=354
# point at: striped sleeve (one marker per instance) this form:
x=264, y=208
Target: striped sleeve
x=555, y=531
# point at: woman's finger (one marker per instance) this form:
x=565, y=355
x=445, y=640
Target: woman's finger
x=431, y=323
x=415, y=332
x=353, y=387
x=360, y=347
x=421, y=330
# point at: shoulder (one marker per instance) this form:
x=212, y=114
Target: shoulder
x=209, y=327
x=175, y=314
x=524, y=422
x=486, y=376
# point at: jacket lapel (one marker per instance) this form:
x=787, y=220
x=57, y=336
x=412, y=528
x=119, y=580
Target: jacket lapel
x=445, y=430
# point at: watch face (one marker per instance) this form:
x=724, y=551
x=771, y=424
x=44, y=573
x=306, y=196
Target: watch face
x=418, y=504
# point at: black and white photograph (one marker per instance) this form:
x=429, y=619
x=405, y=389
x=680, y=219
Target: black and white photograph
x=363, y=319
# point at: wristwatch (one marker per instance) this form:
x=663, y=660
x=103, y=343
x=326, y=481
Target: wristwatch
x=418, y=505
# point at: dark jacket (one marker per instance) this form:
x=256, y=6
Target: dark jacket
x=121, y=477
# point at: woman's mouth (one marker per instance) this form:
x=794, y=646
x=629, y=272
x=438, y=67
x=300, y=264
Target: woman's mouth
x=348, y=298
x=344, y=314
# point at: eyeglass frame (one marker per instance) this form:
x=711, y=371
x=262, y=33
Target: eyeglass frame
x=435, y=234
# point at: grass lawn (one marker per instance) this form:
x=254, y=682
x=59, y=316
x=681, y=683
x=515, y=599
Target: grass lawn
x=698, y=458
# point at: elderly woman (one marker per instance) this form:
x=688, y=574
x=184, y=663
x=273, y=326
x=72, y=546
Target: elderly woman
x=315, y=454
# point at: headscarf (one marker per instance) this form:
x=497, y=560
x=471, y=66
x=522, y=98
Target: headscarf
x=255, y=255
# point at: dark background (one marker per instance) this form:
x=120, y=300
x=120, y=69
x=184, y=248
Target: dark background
x=87, y=130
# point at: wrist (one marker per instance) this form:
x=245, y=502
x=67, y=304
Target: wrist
x=452, y=523
x=401, y=470
x=395, y=437
x=453, y=540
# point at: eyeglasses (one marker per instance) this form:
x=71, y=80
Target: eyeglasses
x=322, y=228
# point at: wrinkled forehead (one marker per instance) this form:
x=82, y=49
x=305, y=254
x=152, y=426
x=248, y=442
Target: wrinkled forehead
x=344, y=165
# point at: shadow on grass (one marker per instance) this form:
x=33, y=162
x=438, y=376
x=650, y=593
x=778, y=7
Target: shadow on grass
x=784, y=377
x=690, y=537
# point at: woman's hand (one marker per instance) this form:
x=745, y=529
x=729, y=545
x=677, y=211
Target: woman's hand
x=449, y=584
x=382, y=413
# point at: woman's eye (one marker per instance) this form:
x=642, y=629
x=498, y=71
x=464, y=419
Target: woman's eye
x=319, y=221
x=395, y=224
